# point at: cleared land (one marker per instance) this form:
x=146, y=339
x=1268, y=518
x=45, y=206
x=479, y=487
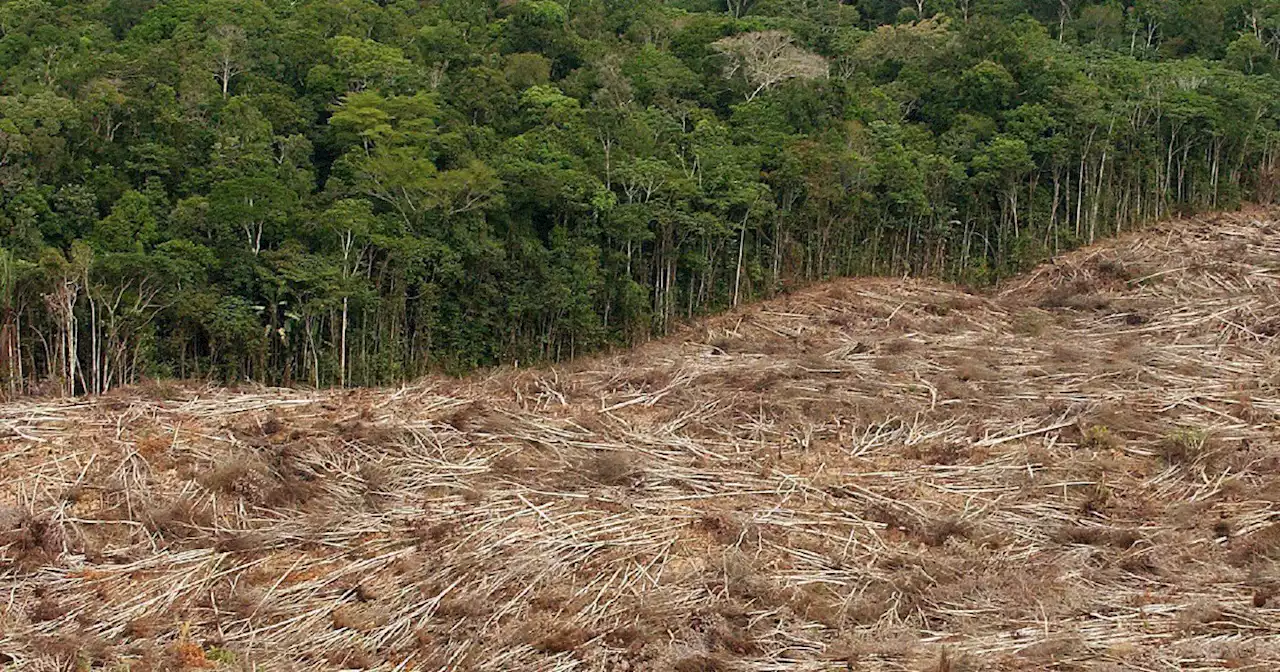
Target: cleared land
x=1077, y=471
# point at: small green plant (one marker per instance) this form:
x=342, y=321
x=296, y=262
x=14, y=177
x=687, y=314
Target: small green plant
x=220, y=655
x=1185, y=445
x=1099, y=437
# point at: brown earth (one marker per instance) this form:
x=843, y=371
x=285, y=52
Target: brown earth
x=1075, y=471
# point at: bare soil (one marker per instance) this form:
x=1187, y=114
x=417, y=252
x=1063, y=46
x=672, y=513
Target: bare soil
x=1078, y=470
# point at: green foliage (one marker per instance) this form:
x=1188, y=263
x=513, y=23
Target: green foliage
x=1186, y=445
x=1099, y=437
x=130, y=226
x=325, y=192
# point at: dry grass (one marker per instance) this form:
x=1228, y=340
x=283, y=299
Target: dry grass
x=1076, y=471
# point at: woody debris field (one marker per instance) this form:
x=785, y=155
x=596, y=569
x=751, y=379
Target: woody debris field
x=1077, y=469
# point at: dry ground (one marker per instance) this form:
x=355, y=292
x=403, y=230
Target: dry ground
x=1077, y=471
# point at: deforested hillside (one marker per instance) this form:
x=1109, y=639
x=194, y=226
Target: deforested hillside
x=338, y=193
x=1077, y=470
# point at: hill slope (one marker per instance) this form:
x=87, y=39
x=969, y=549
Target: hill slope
x=874, y=474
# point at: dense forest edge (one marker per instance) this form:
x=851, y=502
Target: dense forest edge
x=348, y=192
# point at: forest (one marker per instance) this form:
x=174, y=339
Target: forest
x=351, y=192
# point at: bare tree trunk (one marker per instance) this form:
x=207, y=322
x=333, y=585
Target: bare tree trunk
x=737, y=276
x=95, y=346
x=1053, y=213
x=342, y=356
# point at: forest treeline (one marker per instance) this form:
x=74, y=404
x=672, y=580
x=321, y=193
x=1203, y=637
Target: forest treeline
x=339, y=192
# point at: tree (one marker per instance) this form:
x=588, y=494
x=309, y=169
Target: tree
x=987, y=87
x=12, y=271
x=130, y=226
x=368, y=64
x=739, y=8
x=1247, y=53
x=228, y=54
x=768, y=58
x=352, y=223
x=248, y=207
x=1103, y=24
